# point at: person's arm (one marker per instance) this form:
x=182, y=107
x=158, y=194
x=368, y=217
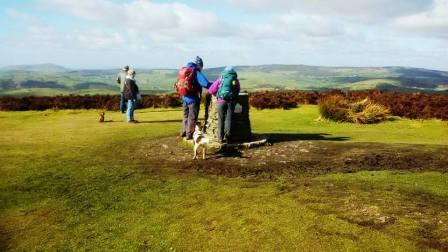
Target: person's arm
x=130, y=86
x=237, y=87
x=202, y=80
x=215, y=86
x=134, y=89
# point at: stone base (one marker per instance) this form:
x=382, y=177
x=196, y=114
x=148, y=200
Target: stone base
x=214, y=146
x=241, y=128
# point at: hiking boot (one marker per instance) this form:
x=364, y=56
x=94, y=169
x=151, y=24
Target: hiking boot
x=183, y=134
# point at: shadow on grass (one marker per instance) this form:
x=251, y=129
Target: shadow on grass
x=159, y=111
x=274, y=138
x=287, y=137
x=167, y=121
x=392, y=119
x=138, y=121
x=161, y=121
x=229, y=152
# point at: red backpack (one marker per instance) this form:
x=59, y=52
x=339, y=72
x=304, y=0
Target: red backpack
x=185, y=84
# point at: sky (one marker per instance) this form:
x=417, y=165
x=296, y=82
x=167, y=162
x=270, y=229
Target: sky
x=167, y=34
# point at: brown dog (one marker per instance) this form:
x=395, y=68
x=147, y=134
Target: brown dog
x=102, y=114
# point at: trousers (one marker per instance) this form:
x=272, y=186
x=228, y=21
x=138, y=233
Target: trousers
x=191, y=112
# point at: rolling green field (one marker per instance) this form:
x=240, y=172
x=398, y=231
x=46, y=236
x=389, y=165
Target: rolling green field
x=54, y=80
x=70, y=183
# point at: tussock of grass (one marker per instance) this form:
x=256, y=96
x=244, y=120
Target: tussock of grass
x=365, y=112
x=334, y=108
x=337, y=108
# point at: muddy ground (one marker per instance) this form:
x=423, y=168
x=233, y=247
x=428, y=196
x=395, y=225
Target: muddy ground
x=294, y=157
x=288, y=156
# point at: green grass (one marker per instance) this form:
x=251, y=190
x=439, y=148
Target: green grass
x=429, y=182
x=304, y=121
x=70, y=183
x=369, y=84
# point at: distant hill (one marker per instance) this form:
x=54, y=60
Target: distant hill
x=46, y=68
x=48, y=79
x=291, y=77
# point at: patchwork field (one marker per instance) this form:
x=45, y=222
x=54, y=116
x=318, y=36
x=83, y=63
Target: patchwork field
x=70, y=183
x=52, y=80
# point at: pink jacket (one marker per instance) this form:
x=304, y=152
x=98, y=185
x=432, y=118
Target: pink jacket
x=215, y=87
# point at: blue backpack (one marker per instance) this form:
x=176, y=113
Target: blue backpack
x=227, y=90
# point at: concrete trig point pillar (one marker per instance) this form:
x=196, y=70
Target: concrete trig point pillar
x=241, y=129
x=241, y=133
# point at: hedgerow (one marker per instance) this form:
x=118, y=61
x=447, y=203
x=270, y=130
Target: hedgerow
x=410, y=105
x=105, y=102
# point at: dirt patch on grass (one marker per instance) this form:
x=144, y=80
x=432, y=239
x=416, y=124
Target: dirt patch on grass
x=416, y=216
x=295, y=158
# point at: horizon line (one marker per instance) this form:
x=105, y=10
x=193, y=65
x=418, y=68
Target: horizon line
x=211, y=67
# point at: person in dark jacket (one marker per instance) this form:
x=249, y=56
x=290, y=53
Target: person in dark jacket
x=226, y=89
x=121, y=80
x=130, y=93
x=190, y=103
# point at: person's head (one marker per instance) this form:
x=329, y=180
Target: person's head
x=199, y=62
x=126, y=68
x=131, y=72
x=229, y=69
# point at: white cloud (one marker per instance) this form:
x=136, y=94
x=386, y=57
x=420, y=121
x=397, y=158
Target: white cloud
x=176, y=22
x=97, y=39
x=21, y=16
x=433, y=22
x=418, y=18
x=331, y=32
x=360, y=10
x=312, y=25
x=295, y=26
x=162, y=21
x=41, y=36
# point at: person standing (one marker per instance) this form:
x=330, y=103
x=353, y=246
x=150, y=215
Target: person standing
x=121, y=80
x=130, y=92
x=226, y=88
x=191, y=74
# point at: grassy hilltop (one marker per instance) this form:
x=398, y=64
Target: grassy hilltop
x=70, y=183
x=53, y=80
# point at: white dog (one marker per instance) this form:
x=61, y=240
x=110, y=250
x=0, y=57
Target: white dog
x=199, y=140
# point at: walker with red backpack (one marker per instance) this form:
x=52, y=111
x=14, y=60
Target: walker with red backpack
x=186, y=81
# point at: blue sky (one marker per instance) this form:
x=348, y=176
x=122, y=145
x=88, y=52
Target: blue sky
x=166, y=34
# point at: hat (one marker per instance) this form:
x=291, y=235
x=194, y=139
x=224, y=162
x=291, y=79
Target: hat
x=229, y=69
x=126, y=67
x=199, y=61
